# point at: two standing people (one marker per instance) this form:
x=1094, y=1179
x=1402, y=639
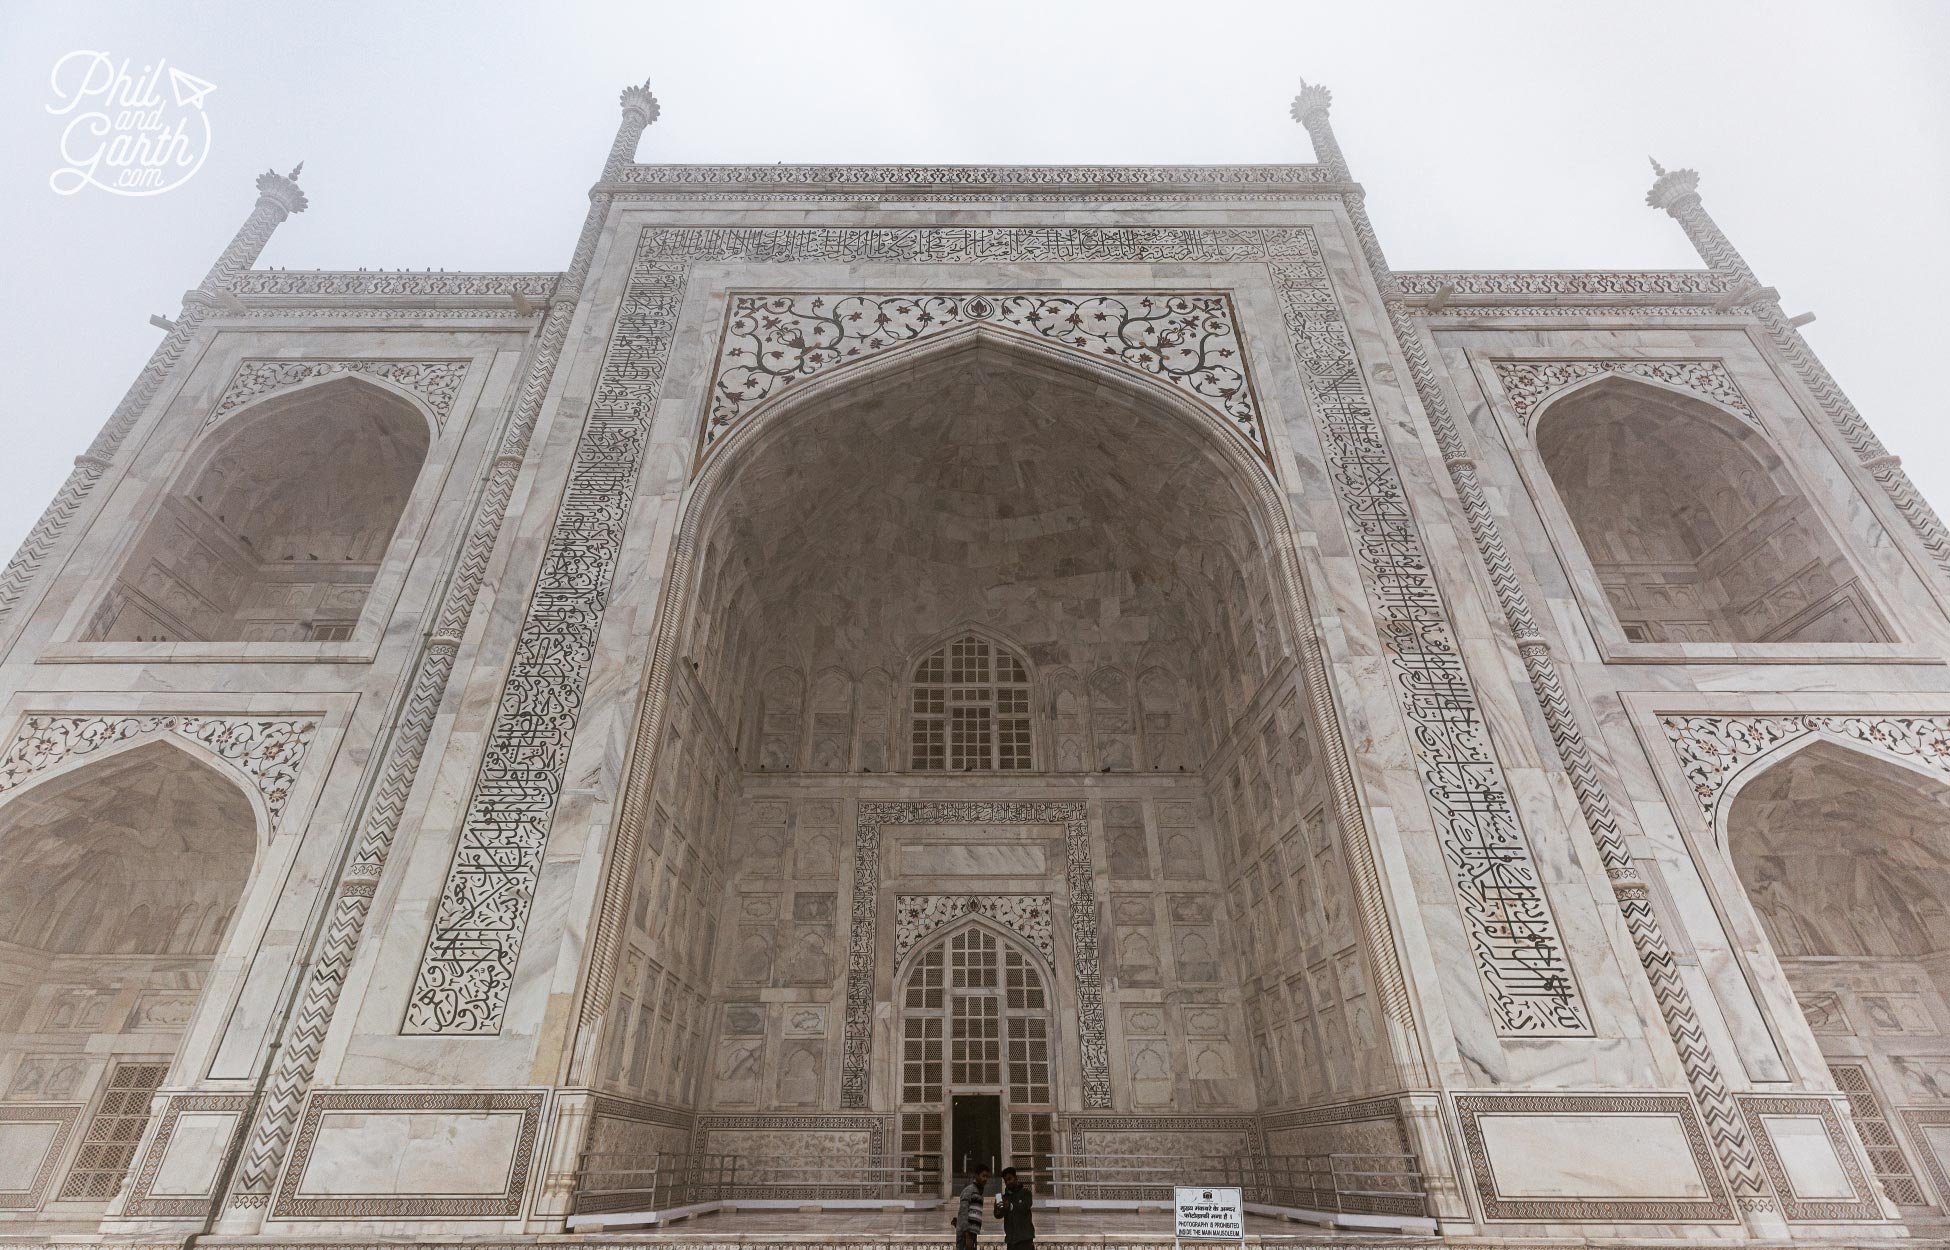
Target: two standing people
x=1013, y=1206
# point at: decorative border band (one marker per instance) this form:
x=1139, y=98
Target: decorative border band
x=1863, y=1207
x=1716, y=1207
x=140, y=1202
x=504, y=1205
x=64, y=1116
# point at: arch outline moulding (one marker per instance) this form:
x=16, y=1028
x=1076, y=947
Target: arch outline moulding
x=1258, y=489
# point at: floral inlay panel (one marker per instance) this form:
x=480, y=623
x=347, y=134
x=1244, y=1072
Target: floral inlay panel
x=1187, y=338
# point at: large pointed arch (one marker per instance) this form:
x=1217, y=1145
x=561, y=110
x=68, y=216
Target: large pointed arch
x=276, y=526
x=1696, y=527
x=121, y=879
x=1144, y=403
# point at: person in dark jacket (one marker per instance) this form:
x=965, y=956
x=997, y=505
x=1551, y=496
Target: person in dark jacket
x=1014, y=1207
x=968, y=1217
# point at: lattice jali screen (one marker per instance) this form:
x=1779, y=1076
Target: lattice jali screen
x=970, y=709
x=108, y=1147
x=975, y=1016
x=1886, y=1157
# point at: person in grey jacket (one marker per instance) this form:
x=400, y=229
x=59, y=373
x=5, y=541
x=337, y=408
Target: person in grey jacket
x=1014, y=1207
x=968, y=1218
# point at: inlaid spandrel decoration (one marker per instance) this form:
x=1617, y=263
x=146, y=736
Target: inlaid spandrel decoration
x=1531, y=384
x=1713, y=750
x=435, y=382
x=1189, y=339
x=465, y=976
x=267, y=750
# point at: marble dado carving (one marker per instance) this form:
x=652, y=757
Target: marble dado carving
x=436, y=382
x=1531, y=383
x=1187, y=338
x=1713, y=750
x=862, y=952
x=466, y=973
x=268, y=752
x=1025, y=915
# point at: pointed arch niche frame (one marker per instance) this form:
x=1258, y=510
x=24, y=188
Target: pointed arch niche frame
x=1521, y=960
x=1705, y=748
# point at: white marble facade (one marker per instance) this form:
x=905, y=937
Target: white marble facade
x=1090, y=636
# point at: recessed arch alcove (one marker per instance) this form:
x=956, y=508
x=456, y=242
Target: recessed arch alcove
x=1845, y=856
x=1694, y=525
x=277, y=527
x=120, y=880
x=1097, y=573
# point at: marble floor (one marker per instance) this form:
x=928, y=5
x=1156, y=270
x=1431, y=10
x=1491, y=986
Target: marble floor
x=931, y=1228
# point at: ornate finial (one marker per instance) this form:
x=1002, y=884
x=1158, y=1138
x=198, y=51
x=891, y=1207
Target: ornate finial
x=1673, y=188
x=1658, y=170
x=281, y=189
x=639, y=100
x=297, y=169
x=1313, y=99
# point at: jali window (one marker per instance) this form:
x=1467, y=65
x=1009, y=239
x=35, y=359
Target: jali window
x=975, y=1016
x=970, y=709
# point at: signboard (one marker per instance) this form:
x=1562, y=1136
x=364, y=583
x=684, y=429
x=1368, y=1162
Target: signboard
x=1209, y=1213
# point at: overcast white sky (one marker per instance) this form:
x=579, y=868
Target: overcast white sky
x=1489, y=135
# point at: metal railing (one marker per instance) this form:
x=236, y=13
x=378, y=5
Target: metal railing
x=617, y=1180
x=1364, y=1184
x=1335, y=1183
x=612, y=1181
x=1378, y=1184
x=918, y=1176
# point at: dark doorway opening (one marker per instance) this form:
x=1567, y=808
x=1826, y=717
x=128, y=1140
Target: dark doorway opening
x=977, y=1134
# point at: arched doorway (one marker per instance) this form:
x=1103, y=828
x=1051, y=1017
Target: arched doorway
x=277, y=530
x=1846, y=857
x=118, y=883
x=977, y=1067
x=1694, y=526
x=1099, y=579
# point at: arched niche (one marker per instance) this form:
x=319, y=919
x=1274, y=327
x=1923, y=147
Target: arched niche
x=1693, y=524
x=1845, y=855
x=119, y=882
x=276, y=530
x=1137, y=563
x=976, y=1011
